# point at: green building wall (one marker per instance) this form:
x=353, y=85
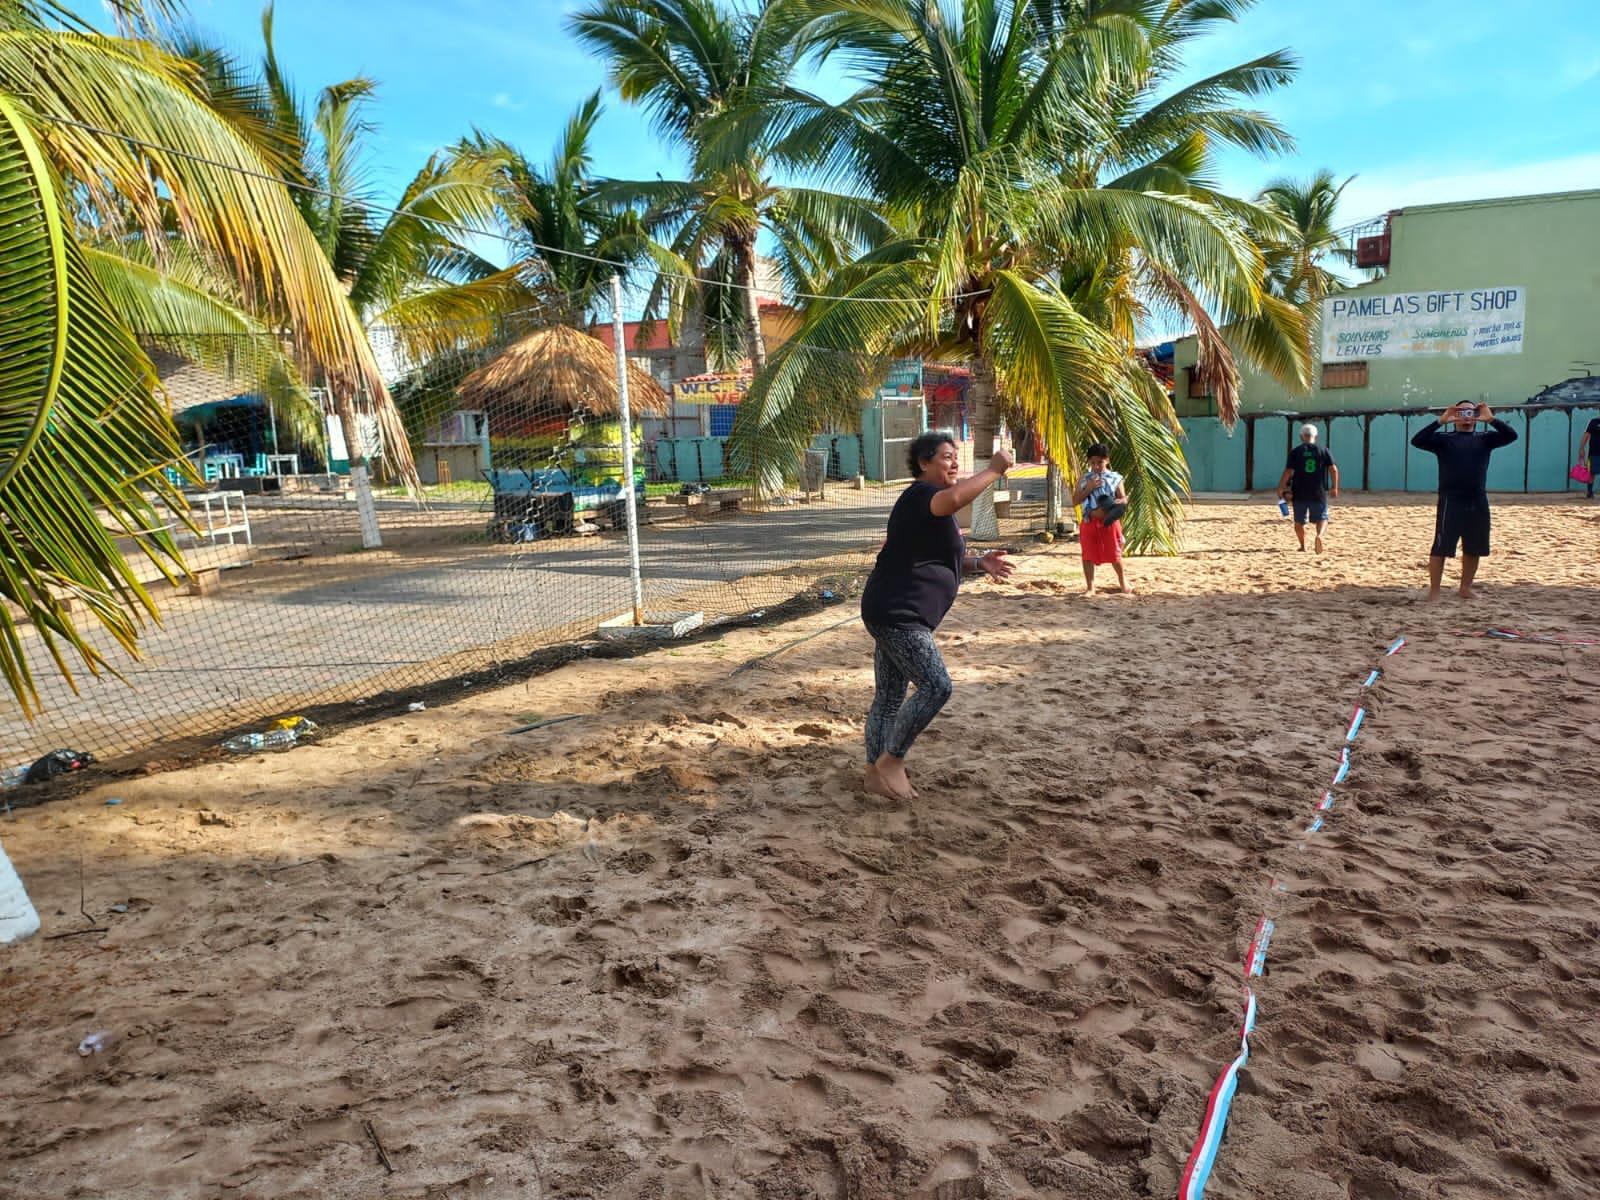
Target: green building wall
x=1549, y=245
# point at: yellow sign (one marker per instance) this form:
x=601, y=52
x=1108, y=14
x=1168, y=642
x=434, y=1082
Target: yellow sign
x=711, y=389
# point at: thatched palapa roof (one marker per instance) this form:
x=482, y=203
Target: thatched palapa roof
x=559, y=367
x=190, y=385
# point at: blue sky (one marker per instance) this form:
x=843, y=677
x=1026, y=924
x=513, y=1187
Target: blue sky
x=1422, y=100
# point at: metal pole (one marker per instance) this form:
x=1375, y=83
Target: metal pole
x=618, y=336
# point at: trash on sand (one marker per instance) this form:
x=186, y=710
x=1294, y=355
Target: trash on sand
x=416, y=706
x=119, y=908
x=96, y=1043
x=113, y=800
x=57, y=762
x=285, y=733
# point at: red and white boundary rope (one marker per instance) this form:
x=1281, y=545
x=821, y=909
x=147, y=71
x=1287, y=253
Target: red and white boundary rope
x=1203, y=1157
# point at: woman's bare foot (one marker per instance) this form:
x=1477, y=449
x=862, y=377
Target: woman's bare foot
x=1469, y=593
x=887, y=778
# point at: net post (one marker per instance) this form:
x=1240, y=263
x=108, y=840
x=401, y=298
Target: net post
x=618, y=337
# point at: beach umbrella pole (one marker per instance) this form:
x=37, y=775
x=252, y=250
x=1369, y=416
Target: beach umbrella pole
x=635, y=581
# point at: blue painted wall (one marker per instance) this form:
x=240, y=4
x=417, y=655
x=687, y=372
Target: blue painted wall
x=1508, y=466
x=1386, y=455
x=1216, y=458
x=690, y=459
x=1547, y=451
x=1196, y=444
x=1345, y=442
x=1271, y=452
x=1546, y=448
x=1422, y=468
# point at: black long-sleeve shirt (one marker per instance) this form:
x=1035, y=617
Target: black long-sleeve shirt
x=1464, y=457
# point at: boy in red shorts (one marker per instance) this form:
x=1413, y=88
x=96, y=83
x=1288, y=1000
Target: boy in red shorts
x=1104, y=497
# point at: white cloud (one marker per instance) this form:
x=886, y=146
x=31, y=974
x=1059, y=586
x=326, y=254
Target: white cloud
x=505, y=101
x=1373, y=193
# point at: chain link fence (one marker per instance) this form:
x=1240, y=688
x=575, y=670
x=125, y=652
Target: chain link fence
x=516, y=546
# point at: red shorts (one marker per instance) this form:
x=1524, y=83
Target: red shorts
x=1100, y=543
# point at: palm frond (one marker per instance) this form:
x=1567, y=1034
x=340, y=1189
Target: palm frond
x=823, y=371
x=1277, y=339
x=181, y=306
x=189, y=163
x=434, y=320
x=1075, y=384
x=83, y=435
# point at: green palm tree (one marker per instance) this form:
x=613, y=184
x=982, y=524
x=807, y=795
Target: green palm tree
x=1305, y=237
x=701, y=68
x=1148, y=136
x=563, y=244
x=409, y=272
x=84, y=433
x=562, y=237
x=971, y=124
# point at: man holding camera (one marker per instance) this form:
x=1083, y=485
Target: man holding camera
x=1463, y=513
x=1309, y=478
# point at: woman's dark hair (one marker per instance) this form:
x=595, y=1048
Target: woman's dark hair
x=925, y=446
x=1098, y=450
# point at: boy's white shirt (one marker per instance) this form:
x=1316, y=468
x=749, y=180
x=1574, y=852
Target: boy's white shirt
x=1109, y=483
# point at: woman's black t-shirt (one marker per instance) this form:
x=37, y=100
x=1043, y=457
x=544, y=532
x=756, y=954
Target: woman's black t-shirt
x=919, y=567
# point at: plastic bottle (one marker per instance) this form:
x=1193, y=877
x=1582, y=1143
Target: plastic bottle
x=273, y=739
x=1283, y=506
x=13, y=776
x=96, y=1043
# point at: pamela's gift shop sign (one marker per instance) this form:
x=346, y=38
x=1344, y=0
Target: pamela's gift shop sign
x=1418, y=324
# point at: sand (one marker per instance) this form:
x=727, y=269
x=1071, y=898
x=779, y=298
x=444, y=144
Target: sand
x=671, y=949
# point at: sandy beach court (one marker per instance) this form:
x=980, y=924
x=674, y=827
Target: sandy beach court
x=670, y=949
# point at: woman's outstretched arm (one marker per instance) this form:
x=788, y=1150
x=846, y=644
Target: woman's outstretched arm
x=951, y=500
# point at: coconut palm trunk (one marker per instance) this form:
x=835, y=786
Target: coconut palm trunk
x=1052, y=494
x=742, y=244
x=354, y=448
x=985, y=428
x=350, y=426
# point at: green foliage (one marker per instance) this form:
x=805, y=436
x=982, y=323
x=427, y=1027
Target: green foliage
x=1045, y=196
x=712, y=75
x=1305, y=236
x=83, y=434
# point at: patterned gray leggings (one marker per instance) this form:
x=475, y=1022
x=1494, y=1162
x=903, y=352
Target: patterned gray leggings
x=905, y=654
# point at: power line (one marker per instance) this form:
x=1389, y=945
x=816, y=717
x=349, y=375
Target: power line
x=312, y=189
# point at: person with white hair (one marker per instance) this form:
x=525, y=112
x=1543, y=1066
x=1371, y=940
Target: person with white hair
x=1308, y=479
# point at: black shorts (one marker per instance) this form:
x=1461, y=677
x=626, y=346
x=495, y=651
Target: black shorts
x=1463, y=519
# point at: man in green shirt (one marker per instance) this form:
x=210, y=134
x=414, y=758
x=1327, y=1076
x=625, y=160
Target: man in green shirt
x=1309, y=478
